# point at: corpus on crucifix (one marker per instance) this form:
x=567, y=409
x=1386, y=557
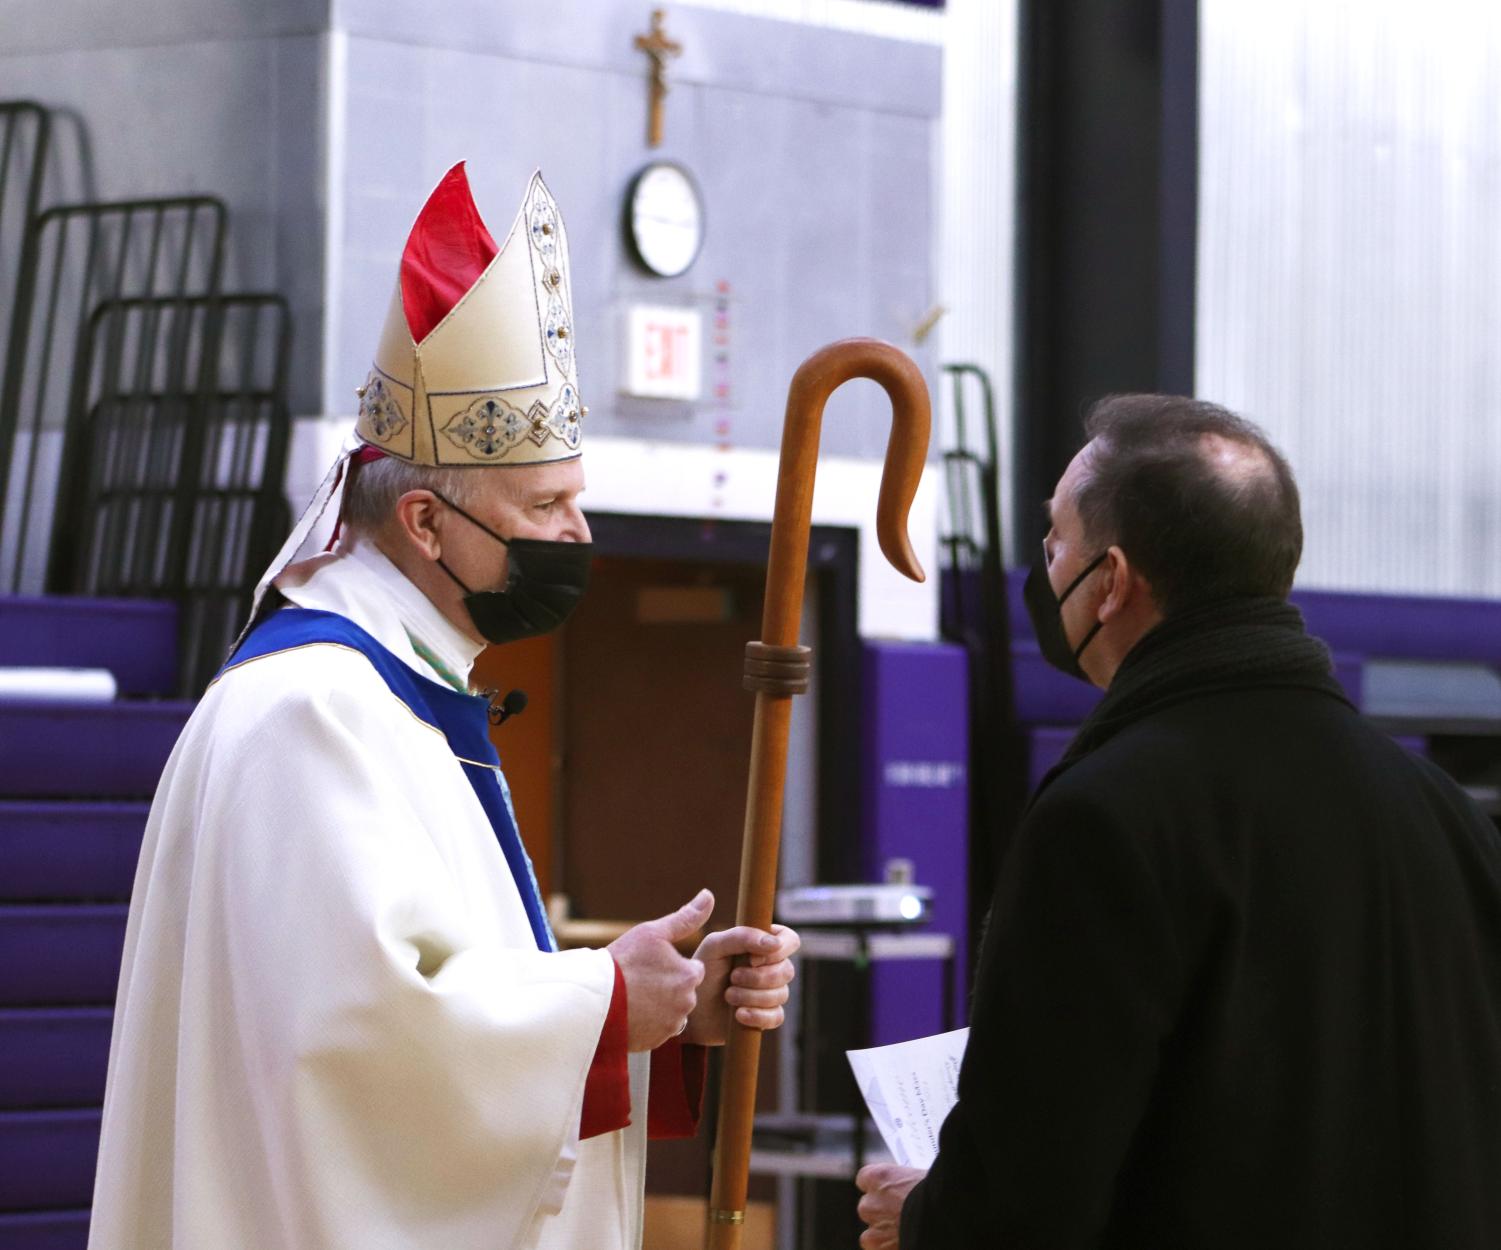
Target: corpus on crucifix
x=658, y=47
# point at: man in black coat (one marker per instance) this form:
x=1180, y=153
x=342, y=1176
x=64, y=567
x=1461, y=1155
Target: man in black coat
x=1241, y=985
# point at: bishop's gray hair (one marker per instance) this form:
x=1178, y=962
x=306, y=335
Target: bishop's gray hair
x=373, y=489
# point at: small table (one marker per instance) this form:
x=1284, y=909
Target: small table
x=821, y=1152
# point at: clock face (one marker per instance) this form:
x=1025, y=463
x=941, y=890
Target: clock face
x=666, y=219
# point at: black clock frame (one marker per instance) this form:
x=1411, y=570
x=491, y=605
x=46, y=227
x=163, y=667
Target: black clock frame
x=627, y=229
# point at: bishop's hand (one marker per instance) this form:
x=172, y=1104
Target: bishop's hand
x=755, y=990
x=660, y=984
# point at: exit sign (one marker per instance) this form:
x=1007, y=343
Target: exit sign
x=663, y=352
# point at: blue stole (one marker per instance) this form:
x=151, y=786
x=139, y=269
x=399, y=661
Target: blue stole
x=461, y=718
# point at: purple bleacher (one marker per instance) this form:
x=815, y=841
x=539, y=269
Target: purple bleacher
x=44, y=1230
x=1044, y=696
x=72, y=750
x=73, y=851
x=74, y=785
x=1357, y=626
x=1397, y=627
x=1406, y=627
x=135, y=639
x=60, y=955
x=53, y=1057
x=47, y=1159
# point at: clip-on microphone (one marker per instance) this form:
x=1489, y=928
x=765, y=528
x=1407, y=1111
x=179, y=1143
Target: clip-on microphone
x=502, y=710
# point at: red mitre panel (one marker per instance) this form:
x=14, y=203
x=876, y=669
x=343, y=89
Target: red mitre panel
x=447, y=251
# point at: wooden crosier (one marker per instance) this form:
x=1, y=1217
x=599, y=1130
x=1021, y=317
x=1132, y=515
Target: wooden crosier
x=776, y=668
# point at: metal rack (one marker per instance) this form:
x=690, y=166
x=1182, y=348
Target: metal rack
x=176, y=447
x=76, y=258
x=143, y=411
x=806, y=1146
x=974, y=613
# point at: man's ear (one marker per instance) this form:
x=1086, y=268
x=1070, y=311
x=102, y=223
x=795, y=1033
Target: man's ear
x=1124, y=586
x=416, y=521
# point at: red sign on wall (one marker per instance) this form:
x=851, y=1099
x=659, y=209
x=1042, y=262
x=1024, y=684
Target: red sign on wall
x=664, y=352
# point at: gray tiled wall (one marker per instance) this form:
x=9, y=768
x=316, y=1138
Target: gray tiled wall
x=813, y=148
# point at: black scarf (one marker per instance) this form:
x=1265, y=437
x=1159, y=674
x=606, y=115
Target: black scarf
x=1226, y=644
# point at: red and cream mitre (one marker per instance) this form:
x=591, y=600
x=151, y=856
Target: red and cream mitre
x=475, y=364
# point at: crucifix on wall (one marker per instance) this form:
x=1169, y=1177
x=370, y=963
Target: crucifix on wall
x=658, y=47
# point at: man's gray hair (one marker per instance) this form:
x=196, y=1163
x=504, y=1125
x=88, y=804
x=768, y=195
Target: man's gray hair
x=374, y=488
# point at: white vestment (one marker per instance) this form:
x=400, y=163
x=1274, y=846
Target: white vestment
x=334, y=1029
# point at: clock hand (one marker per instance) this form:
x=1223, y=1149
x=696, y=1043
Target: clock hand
x=687, y=222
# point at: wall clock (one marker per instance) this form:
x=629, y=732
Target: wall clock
x=664, y=219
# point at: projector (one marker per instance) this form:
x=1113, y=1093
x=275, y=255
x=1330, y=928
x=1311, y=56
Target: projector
x=899, y=903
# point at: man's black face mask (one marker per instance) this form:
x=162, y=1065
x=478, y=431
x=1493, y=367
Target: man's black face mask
x=1047, y=616
x=544, y=582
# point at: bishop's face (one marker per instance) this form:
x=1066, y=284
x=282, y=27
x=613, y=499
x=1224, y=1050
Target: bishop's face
x=522, y=501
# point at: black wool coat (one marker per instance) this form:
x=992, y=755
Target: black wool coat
x=1241, y=987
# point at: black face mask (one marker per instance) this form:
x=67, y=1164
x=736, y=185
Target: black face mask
x=1047, y=617
x=544, y=583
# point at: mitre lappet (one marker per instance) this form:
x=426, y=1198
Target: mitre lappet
x=475, y=365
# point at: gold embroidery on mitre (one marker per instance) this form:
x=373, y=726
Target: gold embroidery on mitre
x=544, y=232
x=380, y=413
x=543, y=223
x=488, y=428
x=565, y=420
x=558, y=335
